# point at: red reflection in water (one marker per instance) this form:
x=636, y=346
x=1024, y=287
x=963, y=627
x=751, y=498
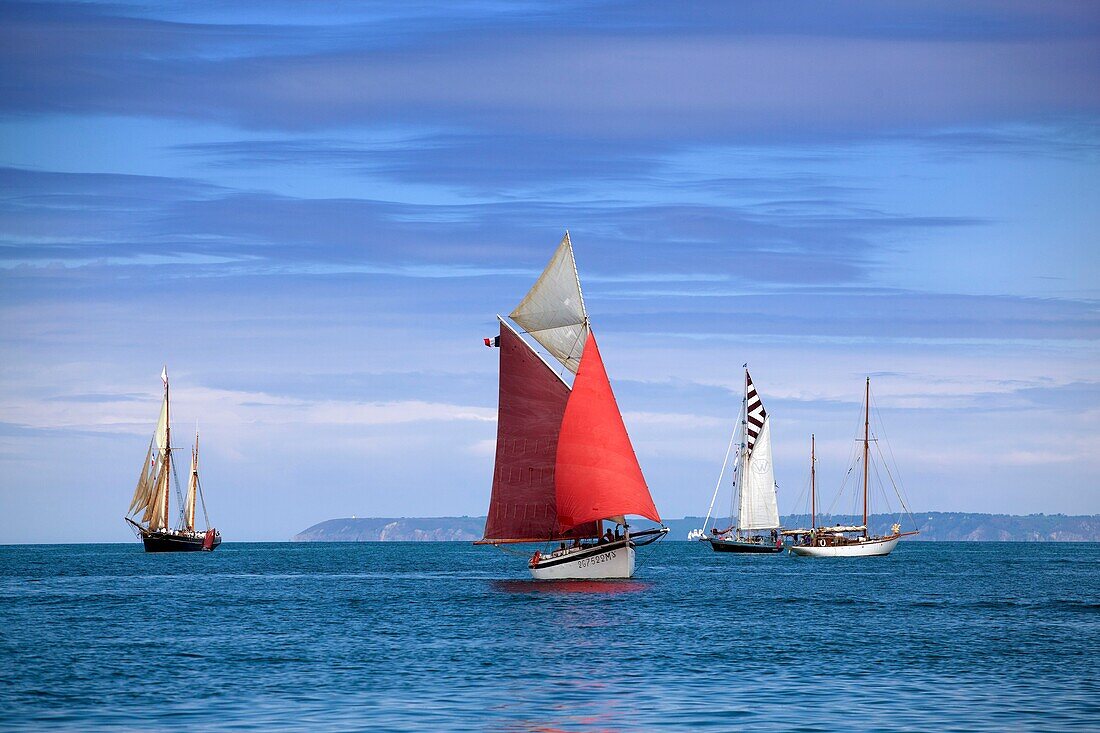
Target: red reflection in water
x=560, y=587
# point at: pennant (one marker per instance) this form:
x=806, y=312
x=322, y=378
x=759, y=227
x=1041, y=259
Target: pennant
x=493, y=342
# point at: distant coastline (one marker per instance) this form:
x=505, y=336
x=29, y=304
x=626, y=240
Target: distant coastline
x=933, y=526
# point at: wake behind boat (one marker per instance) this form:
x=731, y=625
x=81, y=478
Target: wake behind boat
x=154, y=487
x=753, y=485
x=848, y=540
x=564, y=462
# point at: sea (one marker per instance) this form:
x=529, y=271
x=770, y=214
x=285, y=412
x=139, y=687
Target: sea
x=453, y=637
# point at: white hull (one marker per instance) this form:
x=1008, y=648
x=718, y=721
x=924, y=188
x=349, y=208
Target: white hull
x=871, y=548
x=615, y=560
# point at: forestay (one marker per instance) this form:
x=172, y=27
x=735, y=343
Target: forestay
x=553, y=310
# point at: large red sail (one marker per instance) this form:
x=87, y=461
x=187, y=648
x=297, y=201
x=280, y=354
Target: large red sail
x=598, y=475
x=529, y=414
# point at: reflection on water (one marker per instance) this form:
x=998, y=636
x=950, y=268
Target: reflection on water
x=563, y=587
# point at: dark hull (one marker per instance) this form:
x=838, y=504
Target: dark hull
x=752, y=548
x=164, y=542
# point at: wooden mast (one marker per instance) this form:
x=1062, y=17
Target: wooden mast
x=167, y=449
x=813, y=486
x=866, y=436
x=194, y=478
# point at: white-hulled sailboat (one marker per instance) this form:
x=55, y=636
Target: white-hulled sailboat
x=564, y=462
x=753, y=485
x=850, y=540
x=154, y=486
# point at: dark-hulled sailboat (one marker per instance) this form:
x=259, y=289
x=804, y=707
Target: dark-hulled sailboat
x=154, y=486
x=564, y=462
x=753, y=485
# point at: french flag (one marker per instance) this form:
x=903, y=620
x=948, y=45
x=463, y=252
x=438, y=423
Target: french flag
x=494, y=341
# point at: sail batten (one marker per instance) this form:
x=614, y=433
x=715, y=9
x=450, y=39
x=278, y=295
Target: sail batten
x=553, y=311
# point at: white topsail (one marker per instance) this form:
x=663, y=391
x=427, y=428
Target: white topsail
x=553, y=312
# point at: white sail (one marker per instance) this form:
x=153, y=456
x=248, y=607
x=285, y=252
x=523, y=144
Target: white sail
x=161, y=433
x=553, y=310
x=758, y=506
x=192, y=488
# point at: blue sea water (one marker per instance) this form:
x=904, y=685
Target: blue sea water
x=446, y=636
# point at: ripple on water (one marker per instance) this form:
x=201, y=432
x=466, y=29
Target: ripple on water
x=452, y=637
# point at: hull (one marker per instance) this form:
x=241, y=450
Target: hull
x=601, y=562
x=751, y=548
x=875, y=547
x=173, y=542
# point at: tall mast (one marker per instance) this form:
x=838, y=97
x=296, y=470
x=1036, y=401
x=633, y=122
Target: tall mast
x=167, y=448
x=740, y=475
x=813, y=486
x=193, y=481
x=866, y=436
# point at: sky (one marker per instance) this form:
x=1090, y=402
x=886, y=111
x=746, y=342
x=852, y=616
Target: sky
x=313, y=212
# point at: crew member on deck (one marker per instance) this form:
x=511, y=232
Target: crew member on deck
x=607, y=536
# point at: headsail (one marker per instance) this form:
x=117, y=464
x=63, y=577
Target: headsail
x=553, y=309
x=758, y=508
x=532, y=402
x=149, y=495
x=598, y=475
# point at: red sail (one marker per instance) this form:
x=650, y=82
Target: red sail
x=529, y=413
x=598, y=475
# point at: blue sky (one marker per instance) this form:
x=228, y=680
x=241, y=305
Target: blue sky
x=312, y=213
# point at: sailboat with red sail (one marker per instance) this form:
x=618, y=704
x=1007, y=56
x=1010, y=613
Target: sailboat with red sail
x=564, y=462
x=149, y=514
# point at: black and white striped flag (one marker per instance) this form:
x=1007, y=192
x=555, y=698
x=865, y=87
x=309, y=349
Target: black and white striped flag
x=754, y=414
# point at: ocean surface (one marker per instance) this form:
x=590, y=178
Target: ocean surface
x=450, y=637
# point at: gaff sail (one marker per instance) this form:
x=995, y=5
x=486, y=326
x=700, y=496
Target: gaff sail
x=598, y=475
x=532, y=402
x=553, y=311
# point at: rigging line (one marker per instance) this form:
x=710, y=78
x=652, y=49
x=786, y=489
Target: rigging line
x=899, y=488
x=717, y=486
x=179, y=496
x=202, y=499
x=895, y=485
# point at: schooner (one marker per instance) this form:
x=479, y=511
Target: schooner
x=564, y=462
x=849, y=540
x=754, y=492
x=154, y=486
